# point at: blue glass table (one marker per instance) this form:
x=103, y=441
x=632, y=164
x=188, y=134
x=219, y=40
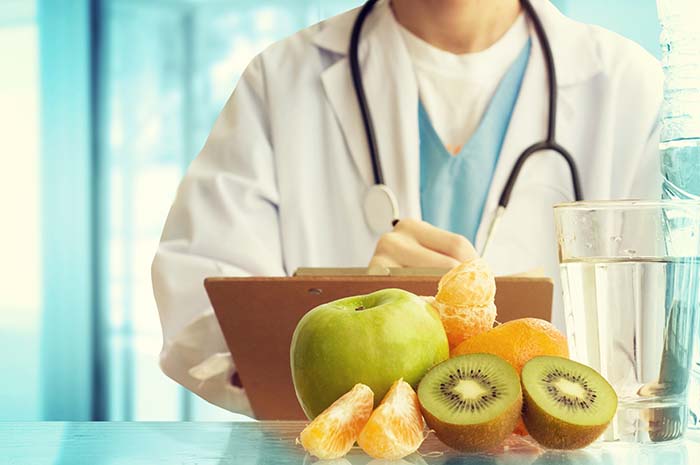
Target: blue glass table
x=263, y=443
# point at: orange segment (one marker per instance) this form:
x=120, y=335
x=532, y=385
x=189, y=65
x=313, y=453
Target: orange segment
x=395, y=429
x=332, y=434
x=469, y=284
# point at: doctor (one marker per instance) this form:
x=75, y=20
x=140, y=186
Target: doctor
x=457, y=89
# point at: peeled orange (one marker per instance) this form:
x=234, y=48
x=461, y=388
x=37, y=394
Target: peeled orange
x=395, y=429
x=332, y=434
x=465, y=301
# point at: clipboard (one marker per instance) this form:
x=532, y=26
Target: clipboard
x=258, y=316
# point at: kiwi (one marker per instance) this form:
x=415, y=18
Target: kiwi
x=566, y=405
x=472, y=402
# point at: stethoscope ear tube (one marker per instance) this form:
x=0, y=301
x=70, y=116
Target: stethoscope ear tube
x=550, y=142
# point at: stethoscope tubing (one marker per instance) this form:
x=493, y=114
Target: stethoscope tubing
x=550, y=143
x=520, y=162
x=359, y=86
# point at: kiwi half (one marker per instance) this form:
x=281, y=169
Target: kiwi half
x=567, y=405
x=472, y=402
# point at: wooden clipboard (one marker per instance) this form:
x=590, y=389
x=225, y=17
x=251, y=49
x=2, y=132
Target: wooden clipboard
x=258, y=316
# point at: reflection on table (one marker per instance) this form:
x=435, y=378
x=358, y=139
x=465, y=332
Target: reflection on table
x=263, y=443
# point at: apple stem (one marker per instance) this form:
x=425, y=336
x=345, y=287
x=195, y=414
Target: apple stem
x=360, y=308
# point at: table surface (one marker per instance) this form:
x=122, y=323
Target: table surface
x=262, y=443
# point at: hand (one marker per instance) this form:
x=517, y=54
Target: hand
x=416, y=243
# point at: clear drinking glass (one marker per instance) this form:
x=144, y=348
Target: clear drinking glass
x=630, y=275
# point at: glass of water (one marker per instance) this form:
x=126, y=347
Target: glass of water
x=630, y=275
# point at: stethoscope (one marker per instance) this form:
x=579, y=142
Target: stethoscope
x=381, y=207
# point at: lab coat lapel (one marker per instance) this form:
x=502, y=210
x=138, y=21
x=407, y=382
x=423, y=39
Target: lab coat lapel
x=337, y=85
x=392, y=96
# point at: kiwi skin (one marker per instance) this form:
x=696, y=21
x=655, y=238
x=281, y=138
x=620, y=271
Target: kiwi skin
x=553, y=433
x=479, y=437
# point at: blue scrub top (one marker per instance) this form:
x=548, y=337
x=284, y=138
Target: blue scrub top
x=454, y=188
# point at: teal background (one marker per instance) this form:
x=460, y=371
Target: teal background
x=103, y=103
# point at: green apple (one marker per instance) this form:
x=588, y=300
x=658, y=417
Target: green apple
x=373, y=339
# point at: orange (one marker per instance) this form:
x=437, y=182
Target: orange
x=517, y=342
x=469, y=284
x=395, y=429
x=461, y=323
x=332, y=434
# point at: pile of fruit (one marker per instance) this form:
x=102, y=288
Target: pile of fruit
x=476, y=384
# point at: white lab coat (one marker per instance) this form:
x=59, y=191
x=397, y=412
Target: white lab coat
x=281, y=180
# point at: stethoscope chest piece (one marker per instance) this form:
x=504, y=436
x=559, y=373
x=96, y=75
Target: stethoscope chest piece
x=381, y=208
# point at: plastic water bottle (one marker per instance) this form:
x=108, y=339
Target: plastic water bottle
x=680, y=134
x=680, y=117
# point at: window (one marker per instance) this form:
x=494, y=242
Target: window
x=169, y=66
x=20, y=271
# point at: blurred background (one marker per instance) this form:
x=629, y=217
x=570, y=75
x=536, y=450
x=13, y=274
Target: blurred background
x=103, y=104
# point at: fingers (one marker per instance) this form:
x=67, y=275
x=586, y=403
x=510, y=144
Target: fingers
x=415, y=243
x=444, y=242
x=401, y=249
x=383, y=261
